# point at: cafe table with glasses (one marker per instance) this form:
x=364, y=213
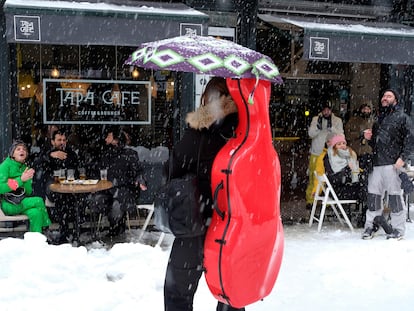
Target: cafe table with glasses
x=80, y=188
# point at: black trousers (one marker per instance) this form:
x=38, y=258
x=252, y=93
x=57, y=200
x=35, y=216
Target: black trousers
x=184, y=270
x=64, y=210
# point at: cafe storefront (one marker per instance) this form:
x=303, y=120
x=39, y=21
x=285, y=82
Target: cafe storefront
x=65, y=67
x=347, y=61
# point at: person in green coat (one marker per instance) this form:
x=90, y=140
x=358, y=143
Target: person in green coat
x=14, y=174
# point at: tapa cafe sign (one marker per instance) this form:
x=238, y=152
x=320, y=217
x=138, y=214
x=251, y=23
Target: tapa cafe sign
x=71, y=101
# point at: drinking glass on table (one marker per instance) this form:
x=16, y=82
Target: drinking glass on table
x=82, y=173
x=71, y=175
x=62, y=175
x=56, y=176
x=104, y=174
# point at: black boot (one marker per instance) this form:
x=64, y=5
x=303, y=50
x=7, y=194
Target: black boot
x=116, y=229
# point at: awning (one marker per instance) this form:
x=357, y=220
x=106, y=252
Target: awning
x=350, y=41
x=121, y=23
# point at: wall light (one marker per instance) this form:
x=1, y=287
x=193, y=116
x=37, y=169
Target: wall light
x=135, y=73
x=55, y=73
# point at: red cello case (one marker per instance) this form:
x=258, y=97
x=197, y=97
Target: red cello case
x=244, y=243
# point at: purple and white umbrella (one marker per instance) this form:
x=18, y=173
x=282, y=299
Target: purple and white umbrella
x=205, y=55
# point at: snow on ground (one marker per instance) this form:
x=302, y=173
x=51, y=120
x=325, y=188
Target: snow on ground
x=331, y=270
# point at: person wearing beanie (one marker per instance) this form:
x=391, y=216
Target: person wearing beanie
x=392, y=140
x=126, y=175
x=15, y=175
x=339, y=163
x=324, y=123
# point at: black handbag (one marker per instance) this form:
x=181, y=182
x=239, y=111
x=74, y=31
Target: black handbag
x=177, y=206
x=15, y=197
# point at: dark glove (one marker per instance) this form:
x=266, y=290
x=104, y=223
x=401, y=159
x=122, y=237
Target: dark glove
x=406, y=183
x=319, y=125
x=329, y=119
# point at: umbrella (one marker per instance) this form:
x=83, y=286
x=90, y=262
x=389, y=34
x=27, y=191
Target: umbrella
x=205, y=55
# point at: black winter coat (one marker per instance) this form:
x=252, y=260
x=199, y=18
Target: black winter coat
x=185, y=154
x=392, y=138
x=125, y=172
x=45, y=165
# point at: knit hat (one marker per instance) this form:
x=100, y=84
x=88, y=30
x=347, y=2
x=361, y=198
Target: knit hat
x=326, y=104
x=396, y=95
x=14, y=145
x=365, y=105
x=336, y=139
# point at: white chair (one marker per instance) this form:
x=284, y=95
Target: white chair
x=150, y=210
x=327, y=196
x=148, y=218
x=14, y=218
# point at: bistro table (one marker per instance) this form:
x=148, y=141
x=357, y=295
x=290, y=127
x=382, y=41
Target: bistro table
x=80, y=187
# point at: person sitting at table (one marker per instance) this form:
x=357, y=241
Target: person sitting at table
x=15, y=175
x=56, y=157
x=125, y=173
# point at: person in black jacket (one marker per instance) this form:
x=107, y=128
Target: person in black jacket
x=56, y=157
x=125, y=173
x=210, y=126
x=392, y=140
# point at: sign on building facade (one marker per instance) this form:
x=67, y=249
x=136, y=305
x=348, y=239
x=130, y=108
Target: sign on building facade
x=26, y=28
x=70, y=101
x=319, y=48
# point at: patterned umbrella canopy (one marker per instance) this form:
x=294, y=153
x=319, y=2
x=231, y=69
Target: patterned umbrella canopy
x=205, y=55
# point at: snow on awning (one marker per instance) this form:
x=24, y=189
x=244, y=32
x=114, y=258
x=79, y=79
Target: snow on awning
x=120, y=22
x=350, y=41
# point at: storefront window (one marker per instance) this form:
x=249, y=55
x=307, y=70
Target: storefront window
x=85, y=89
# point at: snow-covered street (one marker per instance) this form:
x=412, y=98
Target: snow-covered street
x=331, y=270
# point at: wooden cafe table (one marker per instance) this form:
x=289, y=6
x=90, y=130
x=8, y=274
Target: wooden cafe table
x=80, y=187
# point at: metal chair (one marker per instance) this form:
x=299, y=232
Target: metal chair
x=150, y=210
x=327, y=196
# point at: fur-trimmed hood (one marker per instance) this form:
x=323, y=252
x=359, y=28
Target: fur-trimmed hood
x=206, y=115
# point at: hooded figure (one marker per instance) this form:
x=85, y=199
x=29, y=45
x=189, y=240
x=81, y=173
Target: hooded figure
x=354, y=129
x=210, y=126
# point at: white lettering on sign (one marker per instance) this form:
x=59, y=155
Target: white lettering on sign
x=26, y=27
x=75, y=97
x=190, y=31
x=319, y=47
x=110, y=97
x=80, y=101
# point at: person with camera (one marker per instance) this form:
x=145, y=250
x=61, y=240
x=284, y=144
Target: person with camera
x=16, y=189
x=322, y=124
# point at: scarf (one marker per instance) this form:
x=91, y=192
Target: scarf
x=339, y=161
